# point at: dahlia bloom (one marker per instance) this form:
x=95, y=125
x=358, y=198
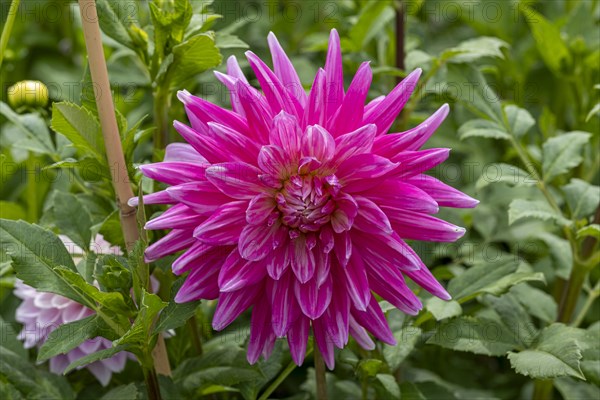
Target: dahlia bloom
x=41, y=313
x=297, y=204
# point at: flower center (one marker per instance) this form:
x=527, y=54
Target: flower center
x=306, y=202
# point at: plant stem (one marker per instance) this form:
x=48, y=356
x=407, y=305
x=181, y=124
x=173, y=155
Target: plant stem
x=112, y=141
x=284, y=374
x=195, y=334
x=594, y=293
x=542, y=390
x=10, y=20
x=162, y=100
x=320, y=375
x=152, y=385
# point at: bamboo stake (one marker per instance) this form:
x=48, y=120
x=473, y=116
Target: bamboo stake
x=112, y=142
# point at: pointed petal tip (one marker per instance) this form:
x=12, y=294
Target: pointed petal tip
x=184, y=96
x=133, y=202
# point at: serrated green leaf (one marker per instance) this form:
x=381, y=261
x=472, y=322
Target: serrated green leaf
x=191, y=58
x=537, y=302
x=504, y=173
x=68, y=336
x=556, y=353
x=572, y=389
x=125, y=392
x=519, y=120
x=582, y=198
x=79, y=126
x=136, y=336
x=520, y=209
x=72, y=219
x=561, y=252
x=514, y=316
x=34, y=130
x=592, y=230
x=561, y=153
x=441, y=309
x=473, y=49
x=475, y=335
x=388, y=387
x=407, y=338
x=175, y=314
x=482, y=128
x=112, y=15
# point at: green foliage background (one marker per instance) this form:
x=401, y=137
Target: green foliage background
x=522, y=79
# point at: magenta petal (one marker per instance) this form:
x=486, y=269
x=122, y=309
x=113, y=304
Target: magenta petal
x=297, y=337
x=318, y=143
x=312, y=298
x=174, y=173
x=260, y=330
x=258, y=112
x=425, y=279
x=334, y=73
x=446, y=196
x=201, y=283
x=357, y=283
x=279, y=261
x=358, y=142
x=370, y=217
x=360, y=335
x=336, y=317
x=384, y=113
x=235, y=179
x=174, y=241
x=315, y=113
x=390, y=285
x=260, y=208
x=256, y=241
x=233, y=69
x=224, y=226
x=357, y=173
x=284, y=307
x=202, y=197
x=387, y=250
x=390, y=145
x=179, y=216
x=417, y=226
x=237, y=273
x=350, y=114
x=286, y=134
x=208, y=112
x=232, y=304
x=274, y=161
x=202, y=143
x=415, y=162
x=343, y=248
x=324, y=342
x=396, y=193
x=161, y=197
x=183, y=152
x=198, y=255
x=238, y=146
x=343, y=217
x=285, y=71
x=303, y=259
x=327, y=238
x=374, y=321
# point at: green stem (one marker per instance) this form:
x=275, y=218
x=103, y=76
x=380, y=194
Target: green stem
x=574, y=286
x=195, y=335
x=32, y=198
x=320, y=375
x=10, y=20
x=284, y=374
x=542, y=390
x=162, y=102
x=152, y=385
x=594, y=293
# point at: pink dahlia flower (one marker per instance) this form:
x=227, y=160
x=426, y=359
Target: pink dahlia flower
x=298, y=204
x=41, y=313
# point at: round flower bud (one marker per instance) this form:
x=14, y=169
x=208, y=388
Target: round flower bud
x=28, y=93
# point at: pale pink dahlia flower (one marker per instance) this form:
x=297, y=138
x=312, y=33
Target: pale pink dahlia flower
x=41, y=313
x=298, y=205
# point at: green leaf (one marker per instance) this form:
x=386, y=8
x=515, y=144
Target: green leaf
x=551, y=46
x=482, y=128
x=519, y=120
x=473, y=91
x=520, y=209
x=592, y=230
x=504, y=173
x=175, y=314
x=97, y=356
x=79, y=126
x=10, y=210
x=68, y=336
x=582, y=198
x=411, y=392
x=372, y=19
x=112, y=15
x=473, y=49
x=34, y=130
x=407, y=338
x=561, y=252
x=191, y=58
x=72, y=219
x=537, y=302
x=137, y=335
x=475, y=335
x=556, y=353
x=441, y=309
x=369, y=367
x=8, y=339
x=125, y=392
x=572, y=389
x=561, y=153
x=514, y=316
x=387, y=387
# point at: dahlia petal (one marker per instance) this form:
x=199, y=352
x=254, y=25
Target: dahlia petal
x=161, y=197
x=183, y=152
x=174, y=173
x=357, y=173
x=390, y=145
x=358, y=142
x=235, y=179
x=202, y=143
x=323, y=264
x=384, y=113
x=390, y=285
x=285, y=71
x=224, y=226
x=297, y=337
x=233, y=69
x=426, y=280
x=417, y=226
x=327, y=238
x=350, y=114
x=284, y=307
x=303, y=259
x=318, y=143
x=374, y=321
x=230, y=82
x=343, y=248
x=260, y=330
x=396, y=193
x=201, y=283
x=386, y=250
x=370, y=217
x=415, y=162
x=312, y=298
x=232, y=304
x=257, y=110
x=324, y=343
x=277, y=264
x=444, y=195
x=101, y=372
x=179, y=216
x=237, y=273
x=347, y=209
x=315, y=113
x=237, y=145
x=260, y=208
x=360, y=335
x=277, y=95
x=172, y=242
x=206, y=111
x=201, y=196
x=357, y=283
x=256, y=241
x=273, y=161
x=197, y=255
x=286, y=134
x=334, y=74
x=336, y=317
